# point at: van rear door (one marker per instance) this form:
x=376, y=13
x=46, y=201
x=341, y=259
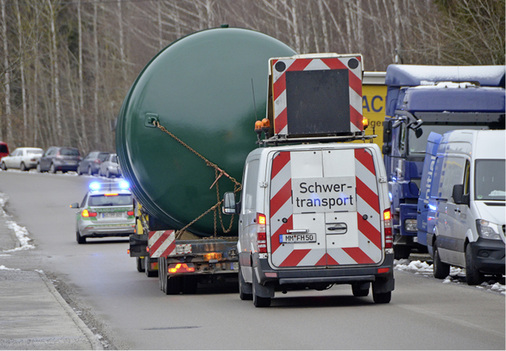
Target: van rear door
x=324, y=208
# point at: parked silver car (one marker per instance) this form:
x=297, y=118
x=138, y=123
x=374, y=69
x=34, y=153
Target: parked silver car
x=23, y=158
x=110, y=167
x=106, y=211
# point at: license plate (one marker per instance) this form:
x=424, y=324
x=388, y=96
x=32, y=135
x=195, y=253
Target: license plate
x=112, y=214
x=297, y=238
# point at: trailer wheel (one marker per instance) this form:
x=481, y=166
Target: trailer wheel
x=140, y=264
x=473, y=275
x=440, y=269
x=382, y=297
x=147, y=268
x=245, y=289
x=259, y=301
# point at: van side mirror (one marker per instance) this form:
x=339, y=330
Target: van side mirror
x=74, y=205
x=229, y=206
x=458, y=195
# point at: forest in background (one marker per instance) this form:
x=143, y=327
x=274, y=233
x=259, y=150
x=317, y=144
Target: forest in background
x=66, y=65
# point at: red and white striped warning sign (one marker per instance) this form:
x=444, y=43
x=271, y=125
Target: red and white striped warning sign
x=342, y=62
x=362, y=243
x=161, y=243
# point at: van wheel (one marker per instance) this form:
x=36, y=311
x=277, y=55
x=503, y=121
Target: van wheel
x=473, y=275
x=382, y=297
x=359, y=291
x=259, y=301
x=245, y=289
x=440, y=269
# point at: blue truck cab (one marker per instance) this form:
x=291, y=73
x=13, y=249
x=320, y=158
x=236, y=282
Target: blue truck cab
x=425, y=99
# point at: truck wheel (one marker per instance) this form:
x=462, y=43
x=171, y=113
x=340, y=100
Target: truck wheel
x=440, y=269
x=245, y=289
x=401, y=252
x=382, y=297
x=80, y=239
x=359, y=291
x=22, y=167
x=259, y=301
x=473, y=275
x=140, y=264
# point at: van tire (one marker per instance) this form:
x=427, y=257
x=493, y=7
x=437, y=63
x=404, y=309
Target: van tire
x=473, y=275
x=359, y=291
x=245, y=289
x=382, y=297
x=259, y=301
x=440, y=269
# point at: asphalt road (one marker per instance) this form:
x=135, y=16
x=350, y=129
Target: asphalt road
x=128, y=310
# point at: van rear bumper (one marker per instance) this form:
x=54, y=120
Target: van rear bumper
x=383, y=273
x=489, y=255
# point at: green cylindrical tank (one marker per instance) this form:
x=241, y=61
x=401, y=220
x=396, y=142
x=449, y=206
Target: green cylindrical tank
x=207, y=89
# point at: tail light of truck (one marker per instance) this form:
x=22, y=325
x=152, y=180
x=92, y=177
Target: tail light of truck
x=261, y=233
x=181, y=268
x=389, y=239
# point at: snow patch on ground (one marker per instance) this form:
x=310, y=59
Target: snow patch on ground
x=21, y=232
x=3, y=268
x=457, y=275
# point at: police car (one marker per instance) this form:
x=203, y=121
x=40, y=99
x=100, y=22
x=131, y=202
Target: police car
x=106, y=211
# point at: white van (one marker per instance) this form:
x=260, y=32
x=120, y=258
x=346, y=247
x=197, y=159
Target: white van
x=311, y=216
x=467, y=204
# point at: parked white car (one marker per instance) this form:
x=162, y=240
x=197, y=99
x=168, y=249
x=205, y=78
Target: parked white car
x=23, y=158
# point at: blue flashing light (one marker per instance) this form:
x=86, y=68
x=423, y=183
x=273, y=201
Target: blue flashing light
x=390, y=196
x=124, y=184
x=432, y=207
x=95, y=186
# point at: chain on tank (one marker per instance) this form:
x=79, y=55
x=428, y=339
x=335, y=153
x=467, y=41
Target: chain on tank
x=219, y=172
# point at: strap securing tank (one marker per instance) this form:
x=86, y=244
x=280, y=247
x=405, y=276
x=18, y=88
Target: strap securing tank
x=218, y=174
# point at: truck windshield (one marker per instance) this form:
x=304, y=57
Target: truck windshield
x=489, y=180
x=417, y=146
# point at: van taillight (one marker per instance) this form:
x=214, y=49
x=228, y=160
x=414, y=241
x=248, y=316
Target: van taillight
x=261, y=233
x=389, y=240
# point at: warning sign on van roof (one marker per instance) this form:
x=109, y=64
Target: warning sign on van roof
x=317, y=95
x=336, y=194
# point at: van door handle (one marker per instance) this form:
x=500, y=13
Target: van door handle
x=297, y=231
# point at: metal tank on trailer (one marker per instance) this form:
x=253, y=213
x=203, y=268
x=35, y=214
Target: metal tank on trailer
x=207, y=89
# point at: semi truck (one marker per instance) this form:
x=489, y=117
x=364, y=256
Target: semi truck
x=424, y=99
x=182, y=135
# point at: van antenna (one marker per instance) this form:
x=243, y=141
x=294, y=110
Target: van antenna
x=254, y=100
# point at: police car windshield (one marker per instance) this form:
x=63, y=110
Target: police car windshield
x=489, y=180
x=419, y=145
x=110, y=200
